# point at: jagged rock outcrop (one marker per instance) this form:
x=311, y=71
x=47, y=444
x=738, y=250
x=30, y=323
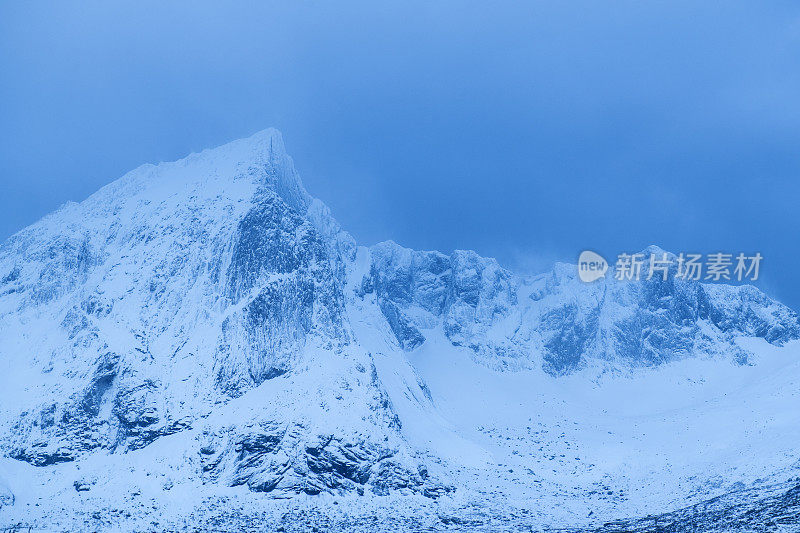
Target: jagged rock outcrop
x=271, y=458
x=562, y=324
x=629, y=324
x=465, y=294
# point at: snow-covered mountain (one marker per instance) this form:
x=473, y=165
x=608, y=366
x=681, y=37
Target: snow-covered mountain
x=205, y=332
x=558, y=323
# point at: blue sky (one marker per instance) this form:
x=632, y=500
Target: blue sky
x=526, y=131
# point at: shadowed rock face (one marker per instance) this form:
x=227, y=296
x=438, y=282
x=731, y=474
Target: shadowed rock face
x=271, y=457
x=281, y=277
x=463, y=293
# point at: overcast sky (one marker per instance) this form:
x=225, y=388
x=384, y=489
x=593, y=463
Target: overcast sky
x=526, y=132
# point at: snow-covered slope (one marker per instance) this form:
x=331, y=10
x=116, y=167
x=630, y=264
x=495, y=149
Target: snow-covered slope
x=147, y=309
x=204, y=330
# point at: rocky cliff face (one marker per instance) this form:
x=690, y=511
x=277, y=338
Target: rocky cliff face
x=176, y=289
x=280, y=287
x=468, y=296
x=556, y=322
x=623, y=324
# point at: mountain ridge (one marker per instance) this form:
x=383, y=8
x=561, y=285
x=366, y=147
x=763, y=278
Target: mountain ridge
x=213, y=306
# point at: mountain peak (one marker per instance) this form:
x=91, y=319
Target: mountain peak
x=259, y=161
x=262, y=157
